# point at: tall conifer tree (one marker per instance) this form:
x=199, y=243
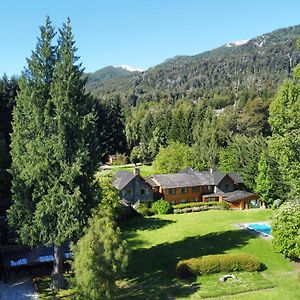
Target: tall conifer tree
x=54, y=150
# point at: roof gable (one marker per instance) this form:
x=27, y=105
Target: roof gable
x=122, y=178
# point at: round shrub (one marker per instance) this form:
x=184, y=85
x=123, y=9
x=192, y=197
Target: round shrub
x=211, y=264
x=162, y=207
x=286, y=229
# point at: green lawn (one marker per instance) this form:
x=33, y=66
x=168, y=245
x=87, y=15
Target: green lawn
x=145, y=170
x=159, y=242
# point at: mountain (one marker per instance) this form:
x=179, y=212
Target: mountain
x=99, y=77
x=256, y=66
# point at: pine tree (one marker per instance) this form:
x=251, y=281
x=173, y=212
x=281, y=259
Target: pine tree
x=268, y=181
x=53, y=149
x=99, y=258
x=29, y=168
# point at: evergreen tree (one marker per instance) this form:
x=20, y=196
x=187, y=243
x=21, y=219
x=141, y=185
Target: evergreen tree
x=206, y=147
x=110, y=125
x=53, y=149
x=99, y=258
x=242, y=156
x=8, y=92
x=268, y=182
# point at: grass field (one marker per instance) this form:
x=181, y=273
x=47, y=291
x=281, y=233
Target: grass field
x=146, y=170
x=159, y=242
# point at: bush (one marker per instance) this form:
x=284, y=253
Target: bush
x=211, y=264
x=144, y=208
x=199, y=206
x=285, y=229
x=162, y=207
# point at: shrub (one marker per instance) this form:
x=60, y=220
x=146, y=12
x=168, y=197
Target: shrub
x=285, y=229
x=211, y=264
x=162, y=207
x=199, y=206
x=144, y=208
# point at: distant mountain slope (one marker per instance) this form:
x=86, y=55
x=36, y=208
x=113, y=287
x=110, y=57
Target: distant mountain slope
x=255, y=66
x=98, y=78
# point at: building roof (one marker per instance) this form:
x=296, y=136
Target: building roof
x=169, y=181
x=236, y=177
x=122, y=178
x=150, y=181
x=210, y=178
x=189, y=177
x=238, y=195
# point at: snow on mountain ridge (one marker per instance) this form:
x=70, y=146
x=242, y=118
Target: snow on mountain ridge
x=129, y=68
x=237, y=43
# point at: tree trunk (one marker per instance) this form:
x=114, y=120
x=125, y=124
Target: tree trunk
x=58, y=281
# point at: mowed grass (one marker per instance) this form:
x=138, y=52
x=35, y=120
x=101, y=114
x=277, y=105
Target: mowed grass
x=145, y=170
x=159, y=242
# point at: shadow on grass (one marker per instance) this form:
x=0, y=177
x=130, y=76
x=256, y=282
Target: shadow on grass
x=140, y=223
x=151, y=272
x=130, y=227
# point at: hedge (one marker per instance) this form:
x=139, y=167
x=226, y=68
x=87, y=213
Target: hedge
x=199, y=206
x=218, y=263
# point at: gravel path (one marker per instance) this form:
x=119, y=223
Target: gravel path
x=21, y=289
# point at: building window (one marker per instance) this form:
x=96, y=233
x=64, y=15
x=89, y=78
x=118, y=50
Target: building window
x=209, y=188
x=196, y=189
x=183, y=201
x=183, y=190
x=143, y=192
x=171, y=191
x=213, y=199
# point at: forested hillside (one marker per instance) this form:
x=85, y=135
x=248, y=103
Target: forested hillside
x=222, y=75
x=216, y=104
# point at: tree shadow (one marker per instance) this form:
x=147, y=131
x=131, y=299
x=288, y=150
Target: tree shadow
x=141, y=223
x=130, y=227
x=151, y=272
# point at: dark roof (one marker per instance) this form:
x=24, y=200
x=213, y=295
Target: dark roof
x=236, y=177
x=150, y=181
x=122, y=178
x=189, y=177
x=26, y=256
x=238, y=195
x=210, y=178
x=168, y=181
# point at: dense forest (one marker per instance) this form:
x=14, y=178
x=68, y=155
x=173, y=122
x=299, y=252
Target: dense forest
x=216, y=103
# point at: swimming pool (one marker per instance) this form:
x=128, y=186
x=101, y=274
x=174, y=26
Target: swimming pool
x=263, y=228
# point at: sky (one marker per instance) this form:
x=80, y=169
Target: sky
x=139, y=33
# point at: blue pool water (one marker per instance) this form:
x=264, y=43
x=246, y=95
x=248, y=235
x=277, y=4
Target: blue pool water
x=263, y=228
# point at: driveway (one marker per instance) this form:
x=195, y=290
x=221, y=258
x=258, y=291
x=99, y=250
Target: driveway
x=21, y=289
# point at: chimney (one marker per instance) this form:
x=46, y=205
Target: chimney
x=136, y=171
